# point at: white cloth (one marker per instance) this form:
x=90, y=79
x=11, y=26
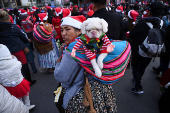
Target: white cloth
x=10, y=104
x=10, y=72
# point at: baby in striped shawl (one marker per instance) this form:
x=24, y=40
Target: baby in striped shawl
x=94, y=41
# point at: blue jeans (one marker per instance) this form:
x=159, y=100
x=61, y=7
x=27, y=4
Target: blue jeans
x=32, y=63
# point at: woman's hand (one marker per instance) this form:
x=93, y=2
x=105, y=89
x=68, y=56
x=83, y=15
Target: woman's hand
x=62, y=47
x=59, y=59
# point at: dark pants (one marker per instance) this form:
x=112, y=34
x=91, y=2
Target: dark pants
x=139, y=65
x=26, y=72
x=164, y=65
x=164, y=105
x=32, y=63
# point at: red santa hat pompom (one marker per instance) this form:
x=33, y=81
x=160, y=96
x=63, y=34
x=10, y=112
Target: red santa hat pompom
x=132, y=14
x=66, y=12
x=23, y=12
x=119, y=9
x=34, y=8
x=58, y=11
x=74, y=21
x=42, y=16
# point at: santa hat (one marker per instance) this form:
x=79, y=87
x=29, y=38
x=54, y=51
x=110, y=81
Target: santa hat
x=34, y=8
x=166, y=4
x=132, y=14
x=80, y=8
x=48, y=7
x=76, y=6
x=23, y=12
x=42, y=16
x=66, y=12
x=58, y=11
x=91, y=7
x=5, y=53
x=19, y=10
x=74, y=21
x=119, y=9
x=90, y=13
x=145, y=13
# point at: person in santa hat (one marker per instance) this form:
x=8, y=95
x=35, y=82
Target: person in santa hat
x=138, y=34
x=115, y=24
x=119, y=11
x=43, y=35
x=74, y=12
x=72, y=94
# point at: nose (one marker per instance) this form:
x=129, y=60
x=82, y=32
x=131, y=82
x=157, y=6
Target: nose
x=93, y=32
x=63, y=32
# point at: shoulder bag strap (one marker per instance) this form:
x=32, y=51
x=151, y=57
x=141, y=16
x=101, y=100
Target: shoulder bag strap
x=76, y=75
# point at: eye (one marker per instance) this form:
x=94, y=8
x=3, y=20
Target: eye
x=67, y=29
x=98, y=29
x=88, y=30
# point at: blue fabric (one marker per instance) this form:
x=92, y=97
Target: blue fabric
x=119, y=48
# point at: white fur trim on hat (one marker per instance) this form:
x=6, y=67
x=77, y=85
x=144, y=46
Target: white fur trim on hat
x=45, y=18
x=57, y=14
x=72, y=22
x=24, y=13
x=5, y=53
x=118, y=11
x=129, y=15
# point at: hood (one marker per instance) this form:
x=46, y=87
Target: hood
x=155, y=21
x=4, y=26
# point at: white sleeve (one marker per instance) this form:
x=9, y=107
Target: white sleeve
x=10, y=104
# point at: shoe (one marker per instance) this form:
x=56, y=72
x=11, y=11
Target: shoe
x=32, y=82
x=31, y=107
x=140, y=91
x=155, y=70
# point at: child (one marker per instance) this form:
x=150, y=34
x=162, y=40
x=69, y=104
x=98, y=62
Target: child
x=11, y=77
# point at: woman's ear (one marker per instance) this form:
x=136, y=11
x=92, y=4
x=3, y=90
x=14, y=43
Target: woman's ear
x=104, y=24
x=83, y=27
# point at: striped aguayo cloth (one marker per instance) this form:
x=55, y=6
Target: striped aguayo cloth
x=41, y=34
x=115, y=62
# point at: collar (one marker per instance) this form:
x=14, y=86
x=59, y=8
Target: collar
x=100, y=10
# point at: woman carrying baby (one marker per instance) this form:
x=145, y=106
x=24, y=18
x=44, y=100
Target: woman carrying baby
x=71, y=75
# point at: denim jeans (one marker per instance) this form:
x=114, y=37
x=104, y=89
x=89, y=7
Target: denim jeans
x=32, y=63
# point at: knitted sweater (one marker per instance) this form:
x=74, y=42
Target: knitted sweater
x=10, y=72
x=65, y=72
x=10, y=104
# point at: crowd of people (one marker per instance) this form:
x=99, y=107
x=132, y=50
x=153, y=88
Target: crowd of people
x=50, y=33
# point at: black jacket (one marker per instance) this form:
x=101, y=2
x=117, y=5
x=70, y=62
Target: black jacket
x=12, y=37
x=115, y=24
x=139, y=33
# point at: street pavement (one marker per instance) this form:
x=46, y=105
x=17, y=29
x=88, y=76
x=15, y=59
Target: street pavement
x=42, y=92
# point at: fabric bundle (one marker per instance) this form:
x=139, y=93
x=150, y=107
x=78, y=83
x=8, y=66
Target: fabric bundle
x=42, y=34
x=114, y=64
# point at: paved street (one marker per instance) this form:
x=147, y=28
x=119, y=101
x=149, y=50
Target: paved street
x=42, y=92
